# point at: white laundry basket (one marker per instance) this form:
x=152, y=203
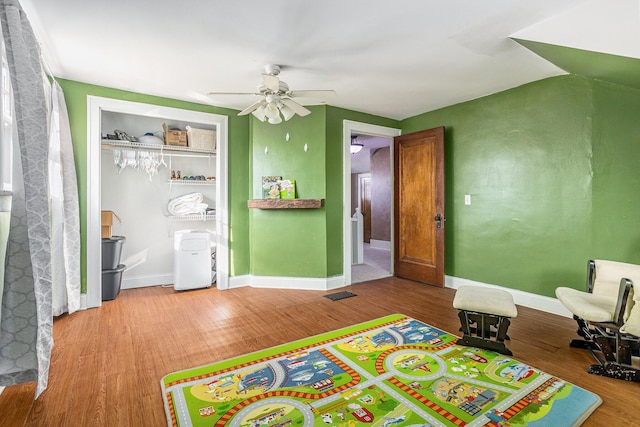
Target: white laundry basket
x=192, y=260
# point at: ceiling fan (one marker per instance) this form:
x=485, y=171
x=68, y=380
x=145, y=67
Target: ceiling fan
x=277, y=102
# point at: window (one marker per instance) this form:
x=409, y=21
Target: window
x=6, y=128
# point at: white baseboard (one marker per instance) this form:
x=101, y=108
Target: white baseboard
x=380, y=244
x=299, y=283
x=144, y=281
x=239, y=281
x=527, y=299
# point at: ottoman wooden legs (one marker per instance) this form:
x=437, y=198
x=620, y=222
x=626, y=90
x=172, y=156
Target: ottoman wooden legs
x=484, y=315
x=478, y=332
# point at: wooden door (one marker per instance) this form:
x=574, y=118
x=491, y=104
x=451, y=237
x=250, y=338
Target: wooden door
x=419, y=206
x=365, y=207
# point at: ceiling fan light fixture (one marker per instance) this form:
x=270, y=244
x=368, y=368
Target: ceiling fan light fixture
x=355, y=146
x=275, y=120
x=287, y=112
x=271, y=111
x=260, y=113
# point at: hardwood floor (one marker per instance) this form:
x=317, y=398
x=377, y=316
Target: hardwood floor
x=107, y=362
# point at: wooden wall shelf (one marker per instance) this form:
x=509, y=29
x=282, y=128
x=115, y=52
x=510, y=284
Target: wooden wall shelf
x=285, y=203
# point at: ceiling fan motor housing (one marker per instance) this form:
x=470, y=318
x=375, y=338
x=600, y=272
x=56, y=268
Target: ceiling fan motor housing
x=272, y=69
x=283, y=88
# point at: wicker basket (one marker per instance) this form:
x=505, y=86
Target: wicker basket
x=201, y=139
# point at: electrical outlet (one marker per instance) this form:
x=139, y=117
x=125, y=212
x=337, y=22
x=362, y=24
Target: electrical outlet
x=467, y=199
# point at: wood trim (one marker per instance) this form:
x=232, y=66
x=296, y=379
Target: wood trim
x=285, y=203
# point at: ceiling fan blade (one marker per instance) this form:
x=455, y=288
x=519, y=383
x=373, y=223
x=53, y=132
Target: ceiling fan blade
x=271, y=82
x=251, y=108
x=234, y=93
x=299, y=109
x=323, y=94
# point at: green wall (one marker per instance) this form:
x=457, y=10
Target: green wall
x=302, y=242
x=550, y=170
x=76, y=98
x=615, y=230
x=289, y=242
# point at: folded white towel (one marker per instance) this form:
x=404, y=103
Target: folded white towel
x=188, y=204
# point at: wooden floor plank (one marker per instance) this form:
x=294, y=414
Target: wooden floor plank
x=107, y=362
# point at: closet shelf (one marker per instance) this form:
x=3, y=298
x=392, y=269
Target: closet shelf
x=195, y=217
x=190, y=182
x=167, y=149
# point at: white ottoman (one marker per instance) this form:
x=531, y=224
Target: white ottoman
x=484, y=315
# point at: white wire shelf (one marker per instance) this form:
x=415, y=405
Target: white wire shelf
x=190, y=182
x=168, y=149
x=195, y=217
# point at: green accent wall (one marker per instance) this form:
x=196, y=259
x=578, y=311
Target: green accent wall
x=551, y=168
x=616, y=173
x=76, y=98
x=302, y=242
x=289, y=242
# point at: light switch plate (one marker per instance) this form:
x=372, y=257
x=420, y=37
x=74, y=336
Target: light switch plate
x=467, y=199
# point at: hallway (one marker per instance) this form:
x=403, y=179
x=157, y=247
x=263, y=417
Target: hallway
x=377, y=265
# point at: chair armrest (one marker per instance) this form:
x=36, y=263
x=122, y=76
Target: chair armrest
x=623, y=299
x=591, y=275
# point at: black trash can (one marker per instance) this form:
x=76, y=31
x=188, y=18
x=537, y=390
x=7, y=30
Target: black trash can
x=111, y=280
x=112, y=251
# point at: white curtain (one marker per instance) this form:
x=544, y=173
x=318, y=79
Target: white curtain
x=26, y=316
x=65, y=215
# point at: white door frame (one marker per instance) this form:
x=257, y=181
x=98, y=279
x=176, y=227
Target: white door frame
x=95, y=106
x=350, y=127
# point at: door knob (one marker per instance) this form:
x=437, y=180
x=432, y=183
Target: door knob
x=438, y=220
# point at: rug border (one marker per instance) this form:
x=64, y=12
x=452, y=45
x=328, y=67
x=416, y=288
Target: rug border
x=586, y=414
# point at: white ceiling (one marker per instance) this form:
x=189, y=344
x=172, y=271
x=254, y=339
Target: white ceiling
x=394, y=59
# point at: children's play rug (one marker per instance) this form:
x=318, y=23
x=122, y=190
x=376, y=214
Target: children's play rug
x=393, y=371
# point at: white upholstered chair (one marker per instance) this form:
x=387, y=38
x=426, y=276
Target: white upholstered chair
x=608, y=316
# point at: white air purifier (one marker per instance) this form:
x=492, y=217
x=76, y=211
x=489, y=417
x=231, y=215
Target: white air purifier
x=192, y=261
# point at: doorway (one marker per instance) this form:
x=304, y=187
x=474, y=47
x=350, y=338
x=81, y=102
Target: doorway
x=378, y=253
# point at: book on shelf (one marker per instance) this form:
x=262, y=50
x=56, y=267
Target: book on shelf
x=271, y=187
x=288, y=189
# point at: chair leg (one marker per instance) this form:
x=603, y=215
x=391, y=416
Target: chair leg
x=617, y=350
x=604, y=345
x=503, y=325
x=615, y=370
x=480, y=324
